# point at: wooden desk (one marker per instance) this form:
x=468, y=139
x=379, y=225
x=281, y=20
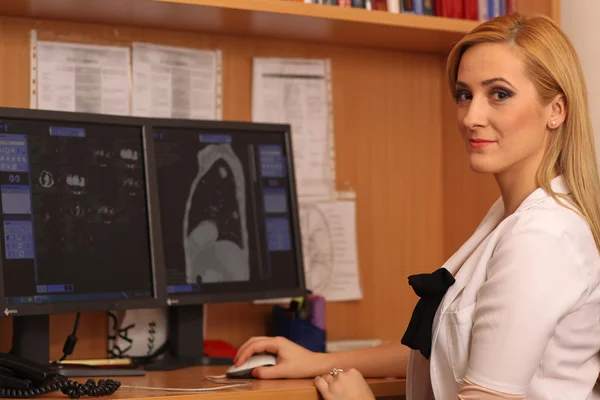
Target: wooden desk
x=287, y=389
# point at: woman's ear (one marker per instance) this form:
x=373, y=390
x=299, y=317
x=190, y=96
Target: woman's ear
x=558, y=111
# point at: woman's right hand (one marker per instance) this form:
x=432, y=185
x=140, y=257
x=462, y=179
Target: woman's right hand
x=293, y=361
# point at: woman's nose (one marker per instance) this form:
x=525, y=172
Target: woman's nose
x=476, y=114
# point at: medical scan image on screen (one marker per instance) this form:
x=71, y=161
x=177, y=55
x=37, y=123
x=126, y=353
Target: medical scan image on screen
x=225, y=211
x=215, y=225
x=74, y=213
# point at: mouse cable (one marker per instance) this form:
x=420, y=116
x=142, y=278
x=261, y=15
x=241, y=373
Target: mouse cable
x=213, y=379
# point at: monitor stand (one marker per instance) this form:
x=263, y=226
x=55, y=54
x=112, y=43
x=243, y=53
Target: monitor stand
x=186, y=339
x=31, y=338
x=31, y=341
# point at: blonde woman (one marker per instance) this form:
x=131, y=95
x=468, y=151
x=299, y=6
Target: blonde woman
x=515, y=313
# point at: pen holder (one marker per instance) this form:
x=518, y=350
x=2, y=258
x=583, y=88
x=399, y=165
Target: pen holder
x=298, y=330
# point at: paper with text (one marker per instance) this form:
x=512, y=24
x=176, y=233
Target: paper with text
x=329, y=247
x=175, y=82
x=82, y=78
x=298, y=92
x=330, y=251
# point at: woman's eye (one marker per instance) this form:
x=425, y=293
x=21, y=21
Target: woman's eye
x=500, y=95
x=462, y=96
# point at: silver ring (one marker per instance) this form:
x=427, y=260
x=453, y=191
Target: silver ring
x=336, y=371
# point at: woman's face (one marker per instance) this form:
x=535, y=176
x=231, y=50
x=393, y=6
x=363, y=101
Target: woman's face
x=500, y=118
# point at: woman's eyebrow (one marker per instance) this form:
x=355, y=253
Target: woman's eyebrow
x=486, y=82
x=498, y=79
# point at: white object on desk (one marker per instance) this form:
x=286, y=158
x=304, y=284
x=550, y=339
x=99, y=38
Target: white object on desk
x=255, y=361
x=351, y=344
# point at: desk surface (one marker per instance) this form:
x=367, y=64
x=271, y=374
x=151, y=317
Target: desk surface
x=288, y=389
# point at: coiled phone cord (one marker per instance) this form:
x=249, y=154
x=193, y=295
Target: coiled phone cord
x=72, y=389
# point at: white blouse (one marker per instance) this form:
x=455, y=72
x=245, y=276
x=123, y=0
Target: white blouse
x=523, y=316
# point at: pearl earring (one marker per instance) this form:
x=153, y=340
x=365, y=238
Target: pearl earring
x=553, y=123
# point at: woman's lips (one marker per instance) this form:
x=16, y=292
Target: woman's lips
x=478, y=143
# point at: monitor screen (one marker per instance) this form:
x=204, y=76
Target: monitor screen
x=74, y=213
x=228, y=213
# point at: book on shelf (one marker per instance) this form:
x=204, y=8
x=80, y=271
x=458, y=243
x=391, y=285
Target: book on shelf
x=478, y=10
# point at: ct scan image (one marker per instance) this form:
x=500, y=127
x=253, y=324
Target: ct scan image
x=215, y=227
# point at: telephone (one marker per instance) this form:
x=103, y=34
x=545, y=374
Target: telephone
x=22, y=378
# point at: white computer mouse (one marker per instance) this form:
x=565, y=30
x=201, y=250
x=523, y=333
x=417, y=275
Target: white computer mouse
x=244, y=371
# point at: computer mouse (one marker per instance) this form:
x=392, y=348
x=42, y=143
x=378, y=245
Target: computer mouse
x=244, y=371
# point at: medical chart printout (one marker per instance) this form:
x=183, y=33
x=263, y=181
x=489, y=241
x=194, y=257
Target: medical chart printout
x=82, y=78
x=175, y=82
x=298, y=92
x=329, y=249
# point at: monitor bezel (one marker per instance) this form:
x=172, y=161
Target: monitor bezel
x=217, y=126
x=158, y=298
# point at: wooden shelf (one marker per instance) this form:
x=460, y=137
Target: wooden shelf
x=262, y=18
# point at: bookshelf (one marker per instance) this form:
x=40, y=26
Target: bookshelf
x=395, y=131
x=260, y=18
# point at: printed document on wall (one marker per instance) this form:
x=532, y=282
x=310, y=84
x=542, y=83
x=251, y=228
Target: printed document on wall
x=329, y=247
x=330, y=251
x=298, y=92
x=175, y=82
x=81, y=78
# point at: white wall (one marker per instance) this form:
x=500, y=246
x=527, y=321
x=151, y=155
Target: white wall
x=579, y=19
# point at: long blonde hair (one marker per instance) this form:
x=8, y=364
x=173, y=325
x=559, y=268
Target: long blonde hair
x=553, y=66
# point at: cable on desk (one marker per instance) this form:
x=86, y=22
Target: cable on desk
x=214, y=379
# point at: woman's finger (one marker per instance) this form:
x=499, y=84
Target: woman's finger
x=249, y=342
x=258, y=346
x=329, y=379
x=322, y=386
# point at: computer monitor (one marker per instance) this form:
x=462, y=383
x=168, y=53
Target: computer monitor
x=80, y=230
x=229, y=218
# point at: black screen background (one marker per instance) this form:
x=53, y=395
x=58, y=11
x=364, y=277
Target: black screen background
x=117, y=258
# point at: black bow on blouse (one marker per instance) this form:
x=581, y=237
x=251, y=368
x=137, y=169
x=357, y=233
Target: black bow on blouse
x=431, y=289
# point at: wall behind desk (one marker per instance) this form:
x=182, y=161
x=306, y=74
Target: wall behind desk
x=388, y=138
